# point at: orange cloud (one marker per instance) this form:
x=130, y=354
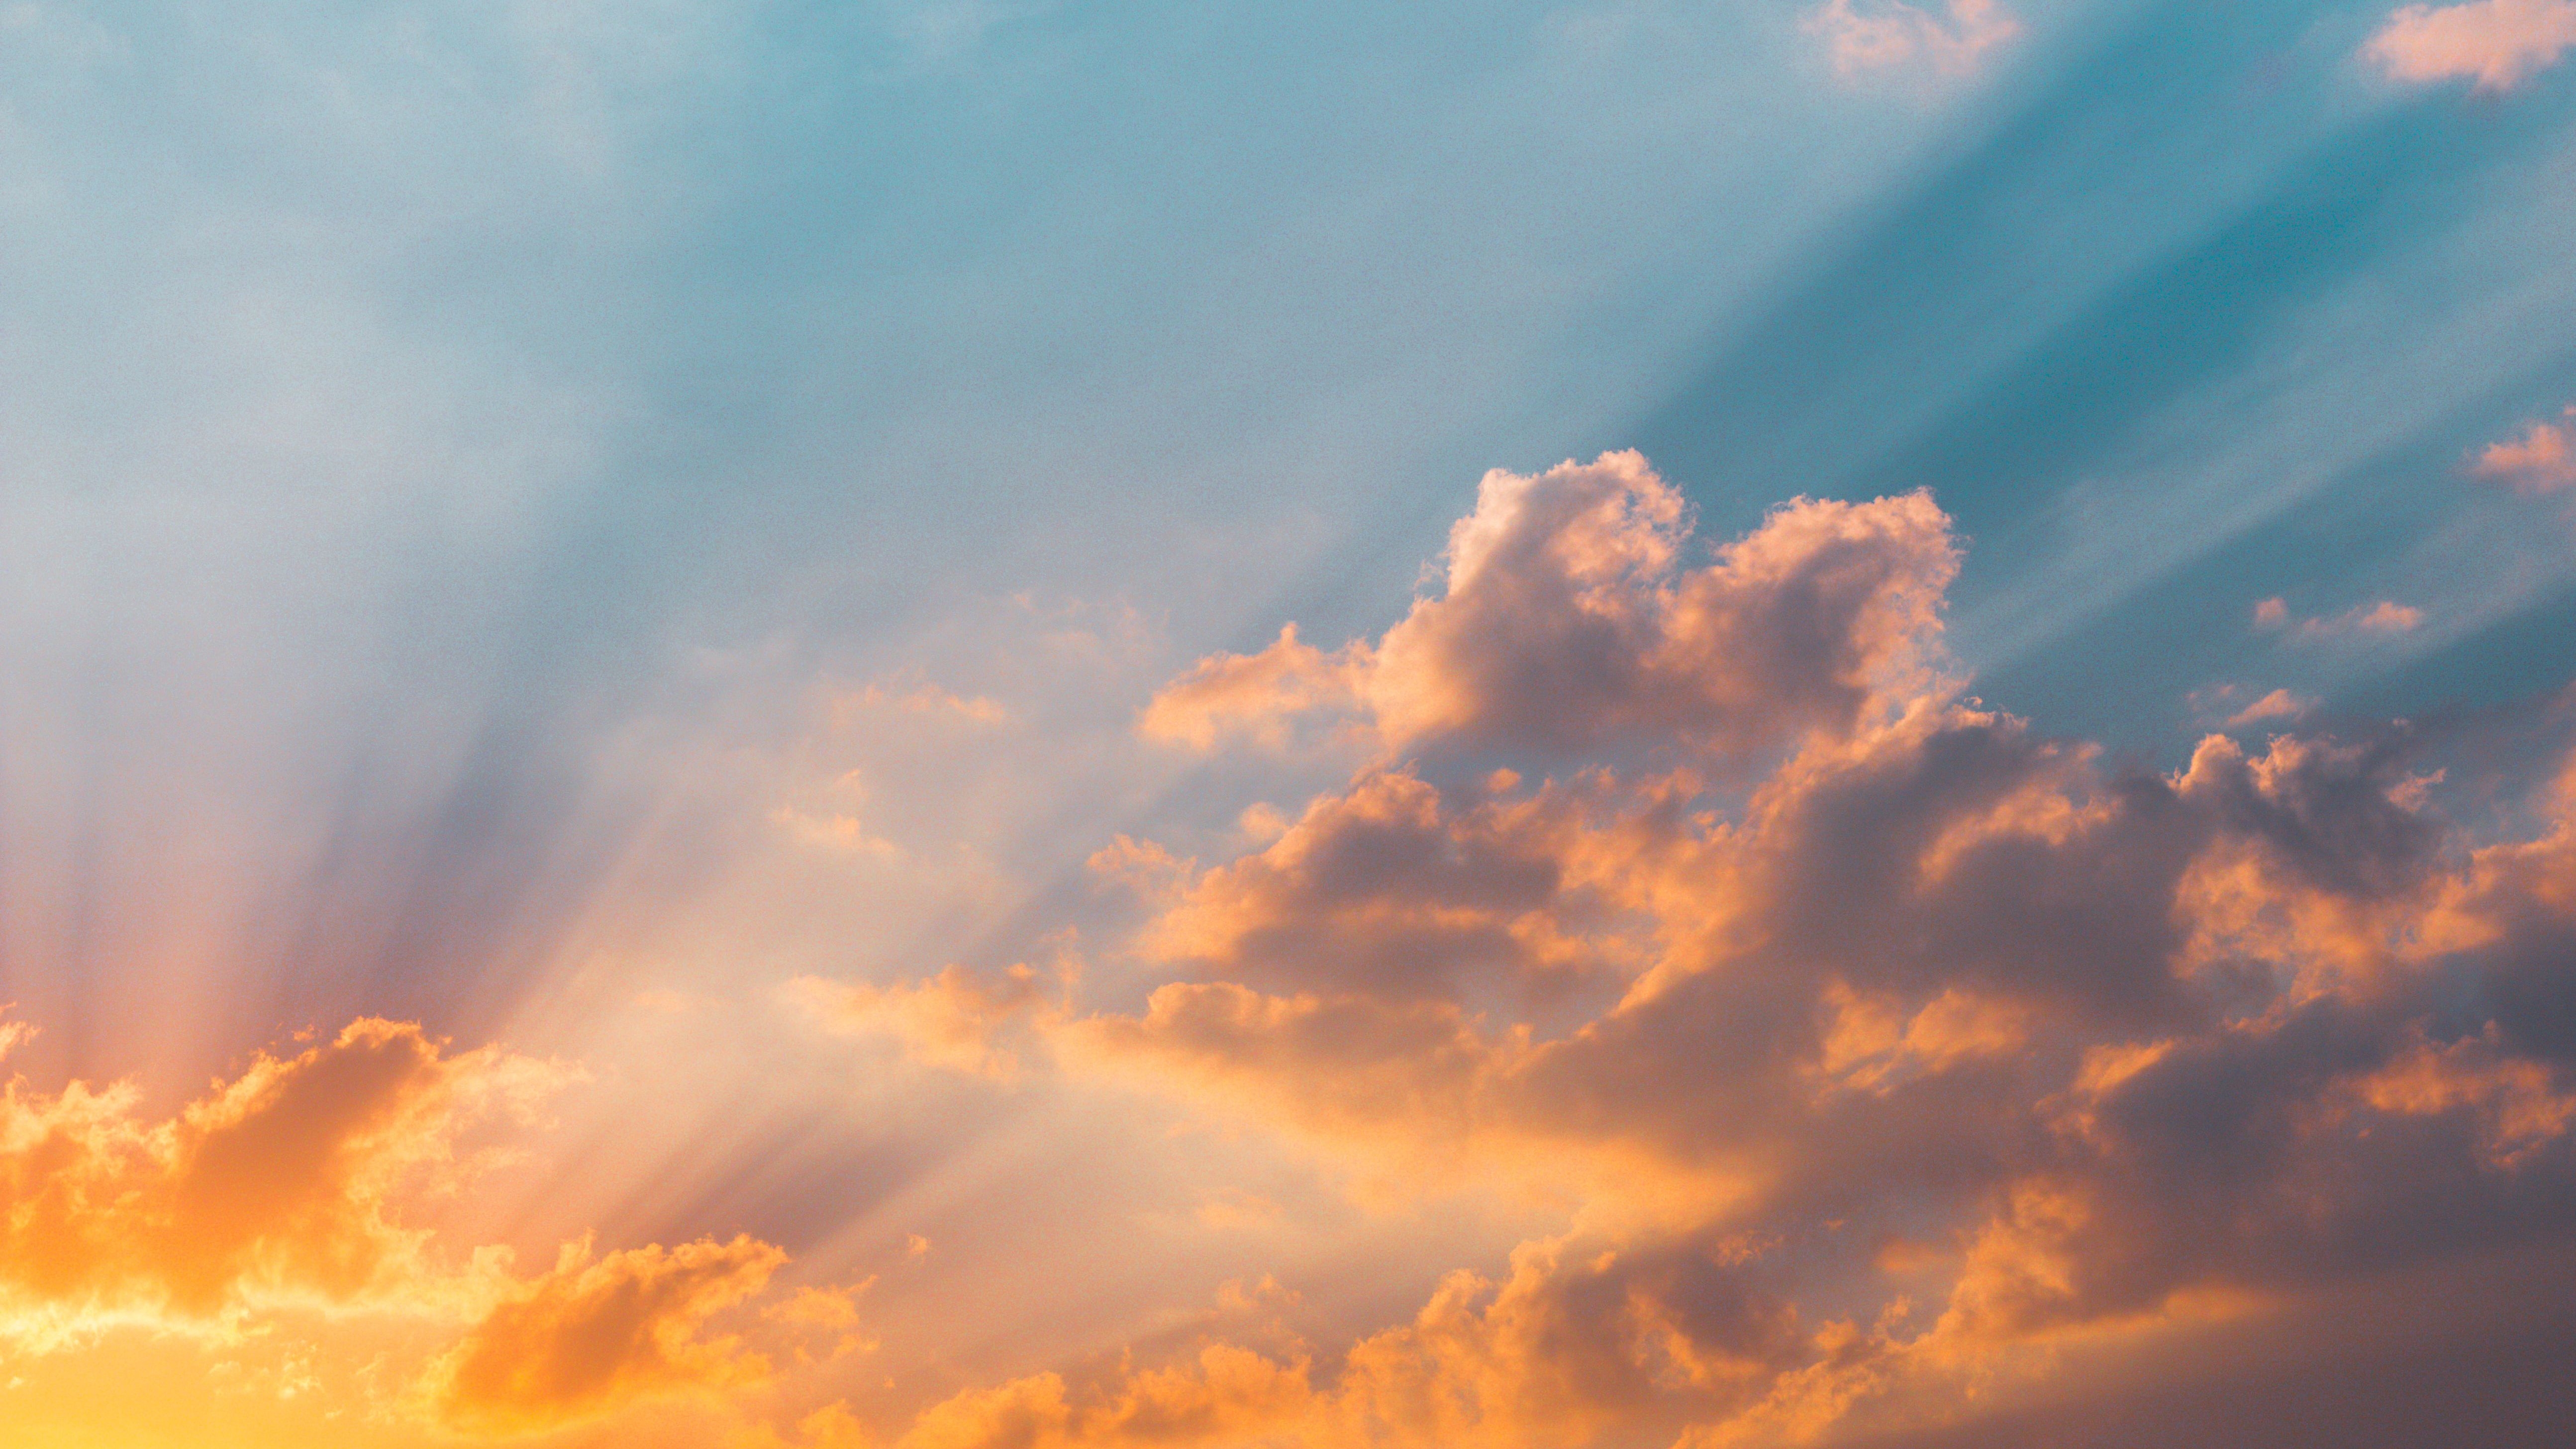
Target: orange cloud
x=2496, y=43
x=1261, y=694
x=956, y=1020
x=590, y=1336
x=279, y=1187
x=282, y=1213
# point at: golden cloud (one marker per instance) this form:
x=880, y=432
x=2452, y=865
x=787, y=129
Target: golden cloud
x=289, y=1200
x=592, y=1336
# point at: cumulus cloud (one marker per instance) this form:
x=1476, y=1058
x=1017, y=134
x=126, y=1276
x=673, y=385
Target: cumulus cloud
x=1863, y=36
x=2108, y=1047
x=2537, y=462
x=1572, y=618
x=2498, y=44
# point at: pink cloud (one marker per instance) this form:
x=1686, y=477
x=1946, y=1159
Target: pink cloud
x=2496, y=43
x=2387, y=616
x=1570, y=619
x=2279, y=704
x=1891, y=34
x=2540, y=461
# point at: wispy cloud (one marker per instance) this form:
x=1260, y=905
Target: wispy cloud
x=1890, y=34
x=2280, y=704
x=2385, y=617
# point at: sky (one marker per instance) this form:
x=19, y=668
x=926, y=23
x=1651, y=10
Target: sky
x=1013, y=724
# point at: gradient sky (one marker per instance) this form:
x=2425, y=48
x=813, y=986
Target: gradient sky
x=1004, y=724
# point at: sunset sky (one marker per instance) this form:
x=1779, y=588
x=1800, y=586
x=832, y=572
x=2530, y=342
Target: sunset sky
x=1015, y=724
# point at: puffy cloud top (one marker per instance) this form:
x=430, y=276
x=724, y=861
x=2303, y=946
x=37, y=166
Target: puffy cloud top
x=1573, y=617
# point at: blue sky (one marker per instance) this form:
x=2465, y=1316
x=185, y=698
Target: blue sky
x=1223, y=304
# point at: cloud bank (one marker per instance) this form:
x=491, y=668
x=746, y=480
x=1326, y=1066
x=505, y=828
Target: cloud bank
x=1875, y=1045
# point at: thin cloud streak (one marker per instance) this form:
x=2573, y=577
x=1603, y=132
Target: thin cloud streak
x=1863, y=36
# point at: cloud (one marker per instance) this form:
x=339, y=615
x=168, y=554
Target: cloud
x=956, y=1020
x=1889, y=34
x=1571, y=1346
x=1793, y=951
x=920, y=698
x=1389, y=887
x=1573, y=1342
x=281, y=1186
x=835, y=831
x=2537, y=462
x=2386, y=617
x=287, y=1210
x=2496, y=43
x=2279, y=704
x=590, y=1336
x=1572, y=620
x=1229, y=1395
x=1263, y=694
x=2378, y=619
